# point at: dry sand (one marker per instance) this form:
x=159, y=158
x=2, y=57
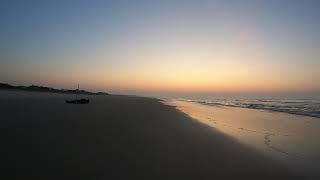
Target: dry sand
x=118, y=137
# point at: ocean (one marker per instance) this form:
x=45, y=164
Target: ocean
x=306, y=107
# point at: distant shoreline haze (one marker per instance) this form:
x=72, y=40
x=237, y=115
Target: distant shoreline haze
x=311, y=95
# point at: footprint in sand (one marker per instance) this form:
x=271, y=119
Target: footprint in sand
x=248, y=130
x=267, y=142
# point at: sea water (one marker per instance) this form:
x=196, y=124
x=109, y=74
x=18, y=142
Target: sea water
x=307, y=107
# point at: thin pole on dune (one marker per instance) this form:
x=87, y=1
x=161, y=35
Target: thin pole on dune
x=77, y=92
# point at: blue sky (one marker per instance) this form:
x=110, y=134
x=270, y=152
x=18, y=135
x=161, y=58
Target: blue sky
x=137, y=46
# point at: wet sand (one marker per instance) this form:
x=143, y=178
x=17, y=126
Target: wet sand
x=119, y=137
x=287, y=138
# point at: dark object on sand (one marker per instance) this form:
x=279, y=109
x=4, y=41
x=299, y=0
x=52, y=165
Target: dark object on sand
x=78, y=101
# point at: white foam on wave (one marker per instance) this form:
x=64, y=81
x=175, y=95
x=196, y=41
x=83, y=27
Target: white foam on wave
x=299, y=107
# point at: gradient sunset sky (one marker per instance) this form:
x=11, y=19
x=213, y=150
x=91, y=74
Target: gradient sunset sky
x=153, y=46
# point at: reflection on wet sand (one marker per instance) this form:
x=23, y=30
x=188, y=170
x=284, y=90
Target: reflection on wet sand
x=291, y=139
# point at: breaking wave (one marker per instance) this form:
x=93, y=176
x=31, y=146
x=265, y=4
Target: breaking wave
x=299, y=107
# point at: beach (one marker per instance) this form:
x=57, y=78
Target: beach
x=289, y=139
x=119, y=137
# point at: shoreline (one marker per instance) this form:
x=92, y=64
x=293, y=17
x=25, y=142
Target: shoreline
x=255, y=107
x=287, y=138
x=117, y=137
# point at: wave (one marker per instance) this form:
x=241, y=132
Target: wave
x=299, y=107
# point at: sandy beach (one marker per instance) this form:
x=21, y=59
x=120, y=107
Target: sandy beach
x=289, y=139
x=168, y=90
x=119, y=137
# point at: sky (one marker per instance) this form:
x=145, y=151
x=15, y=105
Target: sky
x=138, y=47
